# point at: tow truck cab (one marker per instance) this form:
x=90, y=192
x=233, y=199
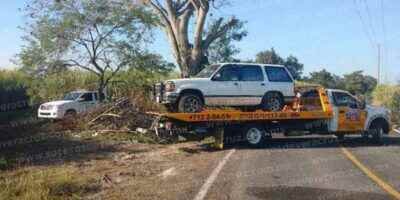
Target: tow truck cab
x=353, y=115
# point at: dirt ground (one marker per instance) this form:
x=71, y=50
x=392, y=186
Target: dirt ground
x=92, y=165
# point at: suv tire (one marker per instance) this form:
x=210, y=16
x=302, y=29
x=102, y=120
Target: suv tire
x=272, y=101
x=190, y=103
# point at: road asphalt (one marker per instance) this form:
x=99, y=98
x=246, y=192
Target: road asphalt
x=312, y=167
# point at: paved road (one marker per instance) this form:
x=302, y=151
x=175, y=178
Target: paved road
x=310, y=168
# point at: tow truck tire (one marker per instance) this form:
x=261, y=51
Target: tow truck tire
x=340, y=137
x=190, y=103
x=254, y=135
x=377, y=131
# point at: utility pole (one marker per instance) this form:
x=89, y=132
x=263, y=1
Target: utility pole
x=379, y=63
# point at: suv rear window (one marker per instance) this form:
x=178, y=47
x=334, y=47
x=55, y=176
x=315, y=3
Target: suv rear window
x=277, y=74
x=251, y=73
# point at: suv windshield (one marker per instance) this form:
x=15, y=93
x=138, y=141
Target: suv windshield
x=207, y=71
x=72, y=96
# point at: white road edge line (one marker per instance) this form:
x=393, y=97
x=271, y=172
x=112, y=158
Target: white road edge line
x=397, y=131
x=214, y=174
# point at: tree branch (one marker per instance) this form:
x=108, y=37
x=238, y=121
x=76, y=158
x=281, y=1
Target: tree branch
x=218, y=30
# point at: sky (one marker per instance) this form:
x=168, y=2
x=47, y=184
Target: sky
x=340, y=36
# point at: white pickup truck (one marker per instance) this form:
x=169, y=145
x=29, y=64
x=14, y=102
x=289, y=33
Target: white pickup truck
x=73, y=102
x=229, y=84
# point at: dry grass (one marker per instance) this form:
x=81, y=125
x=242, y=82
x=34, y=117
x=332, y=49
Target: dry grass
x=49, y=183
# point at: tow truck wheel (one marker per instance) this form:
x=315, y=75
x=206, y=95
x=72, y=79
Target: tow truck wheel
x=255, y=135
x=340, y=137
x=377, y=132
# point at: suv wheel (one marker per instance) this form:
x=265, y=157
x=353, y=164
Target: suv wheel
x=190, y=103
x=272, y=102
x=70, y=114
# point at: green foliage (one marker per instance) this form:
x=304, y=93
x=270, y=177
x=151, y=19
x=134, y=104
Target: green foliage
x=13, y=94
x=223, y=49
x=99, y=36
x=389, y=97
x=326, y=79
x=55, y=86
x=357, y=83
x=291, y=62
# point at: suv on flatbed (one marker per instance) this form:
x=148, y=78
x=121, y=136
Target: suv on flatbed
x=229, y=84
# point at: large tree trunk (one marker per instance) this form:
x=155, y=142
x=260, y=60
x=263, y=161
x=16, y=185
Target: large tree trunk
x=175, y=17
x=100, y=90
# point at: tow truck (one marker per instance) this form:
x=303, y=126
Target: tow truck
x=315, y=110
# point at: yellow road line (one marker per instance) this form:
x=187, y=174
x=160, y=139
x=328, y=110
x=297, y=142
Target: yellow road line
x=384, y=185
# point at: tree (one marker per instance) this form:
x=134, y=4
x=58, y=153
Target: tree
x=326, y=79
x=291, y=62
x=295, y=68
x=389, y=97
x=189, y=50
x=222, y=50
x=357, y=83
x=100, y=36
x=269, y=57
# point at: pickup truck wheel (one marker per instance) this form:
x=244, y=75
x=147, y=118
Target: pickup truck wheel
x=255, y=135
x=190, y=103
x=70, y=114
x=272, y=102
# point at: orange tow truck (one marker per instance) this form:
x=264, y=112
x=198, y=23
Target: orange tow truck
x=316, y=110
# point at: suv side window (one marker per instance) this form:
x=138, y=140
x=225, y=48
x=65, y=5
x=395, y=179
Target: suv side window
x=227, y=73
x=344, y=99
x=251, y=73
x=277, y=74
x=87, y=97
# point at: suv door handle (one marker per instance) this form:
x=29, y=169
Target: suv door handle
x=236, y=84
x=263, y=84
x=342, y=111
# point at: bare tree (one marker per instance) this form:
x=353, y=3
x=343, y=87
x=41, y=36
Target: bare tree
x=175, y=17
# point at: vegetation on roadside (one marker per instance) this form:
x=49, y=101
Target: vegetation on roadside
x=389, y=96
x=60, y=182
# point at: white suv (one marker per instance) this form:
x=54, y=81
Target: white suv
x=229, y=84
x=72, y=103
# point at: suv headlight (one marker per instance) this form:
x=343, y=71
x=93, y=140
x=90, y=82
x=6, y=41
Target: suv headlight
x=47, y=107
x=169, y=86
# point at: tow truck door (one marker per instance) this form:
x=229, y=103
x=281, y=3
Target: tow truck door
x=348, y=114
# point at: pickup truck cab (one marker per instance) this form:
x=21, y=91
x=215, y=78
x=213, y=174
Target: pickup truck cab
x=73, y=102
x=229, y=84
